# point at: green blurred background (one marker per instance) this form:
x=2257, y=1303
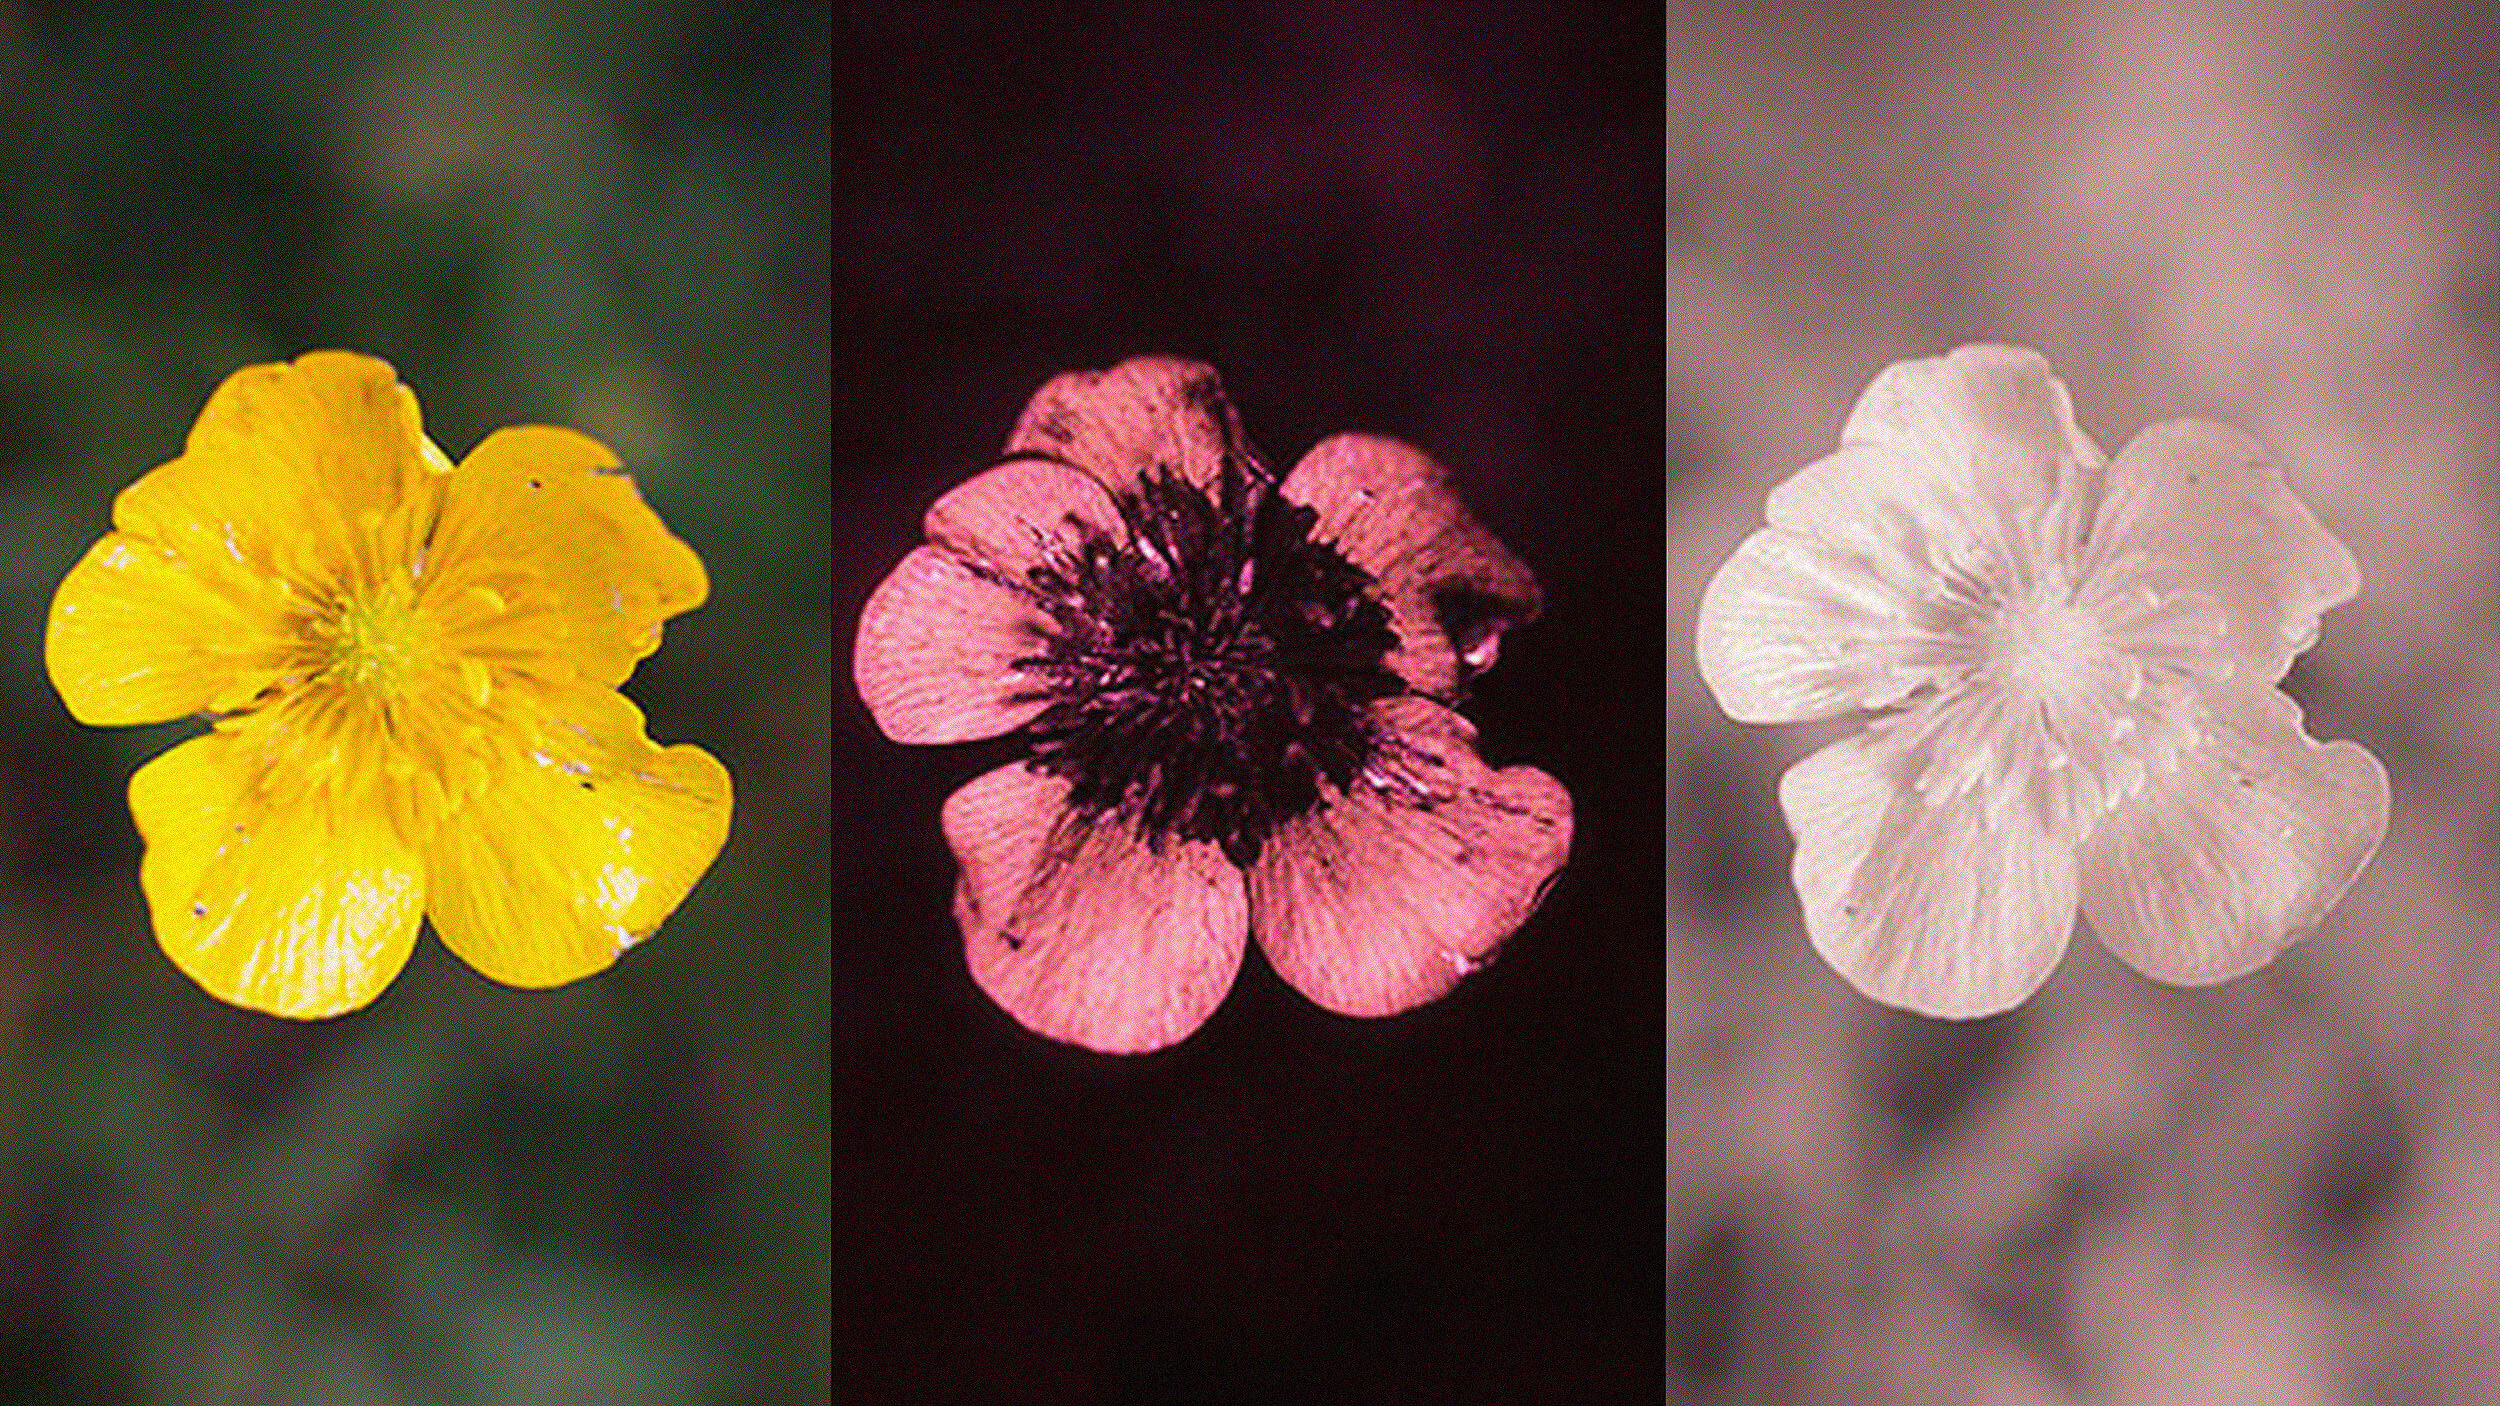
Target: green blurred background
x=608, y=216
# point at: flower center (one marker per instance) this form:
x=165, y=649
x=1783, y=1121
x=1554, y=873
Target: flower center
x=1207, y=676
x=2044, y=645
x=376, y=643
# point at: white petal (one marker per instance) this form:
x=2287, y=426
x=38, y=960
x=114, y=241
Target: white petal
x=2219, y=865
x=1384, y=899
x=1451, y=588
x=1946, y=452
x=1793, y=629
x=2207, y=508
x=1085, y=933
x=1931, y=907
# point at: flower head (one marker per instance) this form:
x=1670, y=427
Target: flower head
x=412, y=668
x=2073, y=660
x=1234, y=696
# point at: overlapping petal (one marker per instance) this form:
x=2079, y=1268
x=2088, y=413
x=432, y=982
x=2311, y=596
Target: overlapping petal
x=2081, y=651
x=1451, y=588
x=2220, y=864
x=1949, y=908
x=316, y=472
x=1382, y=899
x=304, y=910
x=1145, y=413
x=550, y=561
x=298, y=479
x=1084, y=931
x=141, y=633
x=942, y=641
x=1968, y=445
x=2196, y=506
x=390, y=636
x=1794, y=628
x=579, y=848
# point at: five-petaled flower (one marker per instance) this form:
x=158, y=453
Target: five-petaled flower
x=2074, y=659
x=413, y=672
x=1234, y=695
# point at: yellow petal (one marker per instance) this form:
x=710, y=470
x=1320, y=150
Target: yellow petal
x=314, y=469
x=535, y=502
x=306, y=911
x=580, y=849
x=139, y=634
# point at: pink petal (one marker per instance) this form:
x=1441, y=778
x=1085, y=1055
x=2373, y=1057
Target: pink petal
x=1083, y=931
x=1946, y=455
x=2207, y=507
x=1382, y=900
x=936, y=658
x=1793, y=629
x=2220, y=864
x=1022, y=514
x=1450, y=587
x=1954, y=909
x=1147, y=412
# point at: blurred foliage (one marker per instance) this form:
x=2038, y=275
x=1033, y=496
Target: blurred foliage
x=609, y=216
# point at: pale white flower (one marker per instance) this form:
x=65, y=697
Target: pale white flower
x=2073, y=663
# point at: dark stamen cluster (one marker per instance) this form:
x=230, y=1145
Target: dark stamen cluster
x=1208, y=674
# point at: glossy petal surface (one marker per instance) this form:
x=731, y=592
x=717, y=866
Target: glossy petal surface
x=1149, y=412
x=579, y=848
x=140, y=633
x=1793, y=628
x=1085, y=933
x=936, y=658
x=2202, y=507
x=1967, y=447
x=288, y=486
x=2224, y=861
x=1381, y=901
x=1953, y=908
x=938, y=649
x=577, y=571
x=304, y=911
x=1451, y=588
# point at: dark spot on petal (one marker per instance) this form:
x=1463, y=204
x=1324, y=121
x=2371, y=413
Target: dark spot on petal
x=1014, y=942
x=588, y=787
x=534, y=483
x=199, y=910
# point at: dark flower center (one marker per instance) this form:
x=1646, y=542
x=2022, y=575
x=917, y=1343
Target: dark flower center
x=1209, y=674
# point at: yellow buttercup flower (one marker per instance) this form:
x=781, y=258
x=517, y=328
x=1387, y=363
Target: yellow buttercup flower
x=413, y=671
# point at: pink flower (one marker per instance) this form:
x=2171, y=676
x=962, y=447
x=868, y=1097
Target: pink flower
x=2073, y=663
x=1235, y=696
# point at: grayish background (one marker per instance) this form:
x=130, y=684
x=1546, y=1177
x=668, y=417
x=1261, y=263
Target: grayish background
x=2278, y=1190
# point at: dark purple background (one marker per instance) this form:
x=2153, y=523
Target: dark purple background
x=1440, y=223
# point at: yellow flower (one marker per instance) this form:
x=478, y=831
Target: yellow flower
x=413, y=671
